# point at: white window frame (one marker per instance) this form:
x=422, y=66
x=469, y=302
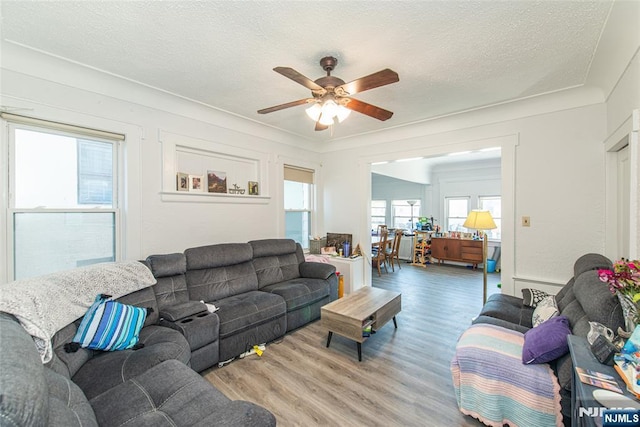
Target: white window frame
x=372, y=216
x=446, y=207
x=481, y=199
x=312, y=197
x=17, y=122
x=404, y=203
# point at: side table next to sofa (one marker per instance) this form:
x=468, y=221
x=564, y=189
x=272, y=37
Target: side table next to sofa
x=351, y=268
x=585, y=409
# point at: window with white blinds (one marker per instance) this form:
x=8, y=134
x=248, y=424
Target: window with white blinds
x=298, y=203
x=63, y=207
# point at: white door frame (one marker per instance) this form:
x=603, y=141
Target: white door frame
x=625, y=135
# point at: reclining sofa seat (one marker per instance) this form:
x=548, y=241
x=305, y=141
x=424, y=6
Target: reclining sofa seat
x=95, y=372
x=305, y=286
x=583, y=299
x=224, y=275
x=190, y=318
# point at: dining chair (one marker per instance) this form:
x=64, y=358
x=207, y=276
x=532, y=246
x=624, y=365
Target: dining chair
x=379, y=253
x=382, y=228
x=393, y=252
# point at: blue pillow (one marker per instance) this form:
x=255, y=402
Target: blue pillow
x=547, y=341
x=110, y=325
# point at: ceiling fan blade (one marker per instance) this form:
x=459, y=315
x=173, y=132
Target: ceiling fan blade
x=368, y=109
x=299, y=78
x=371, y=81
x=320, y=126
x=287, y=105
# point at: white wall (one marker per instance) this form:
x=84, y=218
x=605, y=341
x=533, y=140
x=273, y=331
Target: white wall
x=552, y=163
x=616, y=70
x=552, y=171
x=622, y=129
x=554, y=160
x=408, y=170
x=388, y=188
x=51, y=89
x=473, y=179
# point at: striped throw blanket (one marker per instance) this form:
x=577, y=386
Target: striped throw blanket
x=493, y=385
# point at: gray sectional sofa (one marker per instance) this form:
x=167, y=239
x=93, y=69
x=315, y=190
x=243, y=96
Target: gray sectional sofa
x=149, y=392
x=583, y=299
x=262, y=290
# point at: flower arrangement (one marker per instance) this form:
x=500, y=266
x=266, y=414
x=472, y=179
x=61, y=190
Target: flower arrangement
x=624, y=280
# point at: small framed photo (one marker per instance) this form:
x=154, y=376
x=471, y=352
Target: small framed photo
x=195, y=182
x=182, y=182
x=216, y=182
x=253, y=188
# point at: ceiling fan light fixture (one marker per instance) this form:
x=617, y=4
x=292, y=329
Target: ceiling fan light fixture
x=327, y=112
x=326, y=120
x=342, y=113
x=329, y=108
x=314, y=112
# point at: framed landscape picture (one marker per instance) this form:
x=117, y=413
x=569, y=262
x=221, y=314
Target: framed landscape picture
x=195, y=182
x=182, y=182
x=216, y=182
x=253, y=188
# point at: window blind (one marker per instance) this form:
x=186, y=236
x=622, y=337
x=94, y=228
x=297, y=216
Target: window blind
x=298, y=174
x=15, y=118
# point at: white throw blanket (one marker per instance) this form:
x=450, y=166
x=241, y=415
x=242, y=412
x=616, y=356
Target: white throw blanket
x=46, y=304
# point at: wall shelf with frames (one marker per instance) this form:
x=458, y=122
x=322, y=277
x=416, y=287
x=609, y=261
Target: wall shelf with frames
x=197, y=157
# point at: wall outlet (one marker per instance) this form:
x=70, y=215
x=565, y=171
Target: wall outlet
x=526, y=221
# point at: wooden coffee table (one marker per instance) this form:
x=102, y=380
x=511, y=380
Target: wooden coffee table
x=367, y=306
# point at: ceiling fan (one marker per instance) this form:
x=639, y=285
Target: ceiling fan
x=331, y=96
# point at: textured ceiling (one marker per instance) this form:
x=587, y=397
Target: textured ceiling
x=451, y=56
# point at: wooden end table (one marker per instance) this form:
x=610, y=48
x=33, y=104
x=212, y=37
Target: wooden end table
x=366, y=307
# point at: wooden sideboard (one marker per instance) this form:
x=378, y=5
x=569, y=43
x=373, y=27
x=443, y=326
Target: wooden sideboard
x=460, y=250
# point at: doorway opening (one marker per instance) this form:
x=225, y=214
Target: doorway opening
x=441, y=191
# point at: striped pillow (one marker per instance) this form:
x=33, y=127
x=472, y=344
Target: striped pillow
x=110, y=325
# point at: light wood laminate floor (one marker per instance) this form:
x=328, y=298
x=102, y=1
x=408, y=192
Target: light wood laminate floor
x=404, y=377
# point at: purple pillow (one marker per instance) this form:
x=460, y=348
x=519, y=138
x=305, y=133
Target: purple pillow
x=547, y=341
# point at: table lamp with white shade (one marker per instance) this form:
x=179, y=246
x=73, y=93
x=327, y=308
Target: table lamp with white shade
x=481, y=220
